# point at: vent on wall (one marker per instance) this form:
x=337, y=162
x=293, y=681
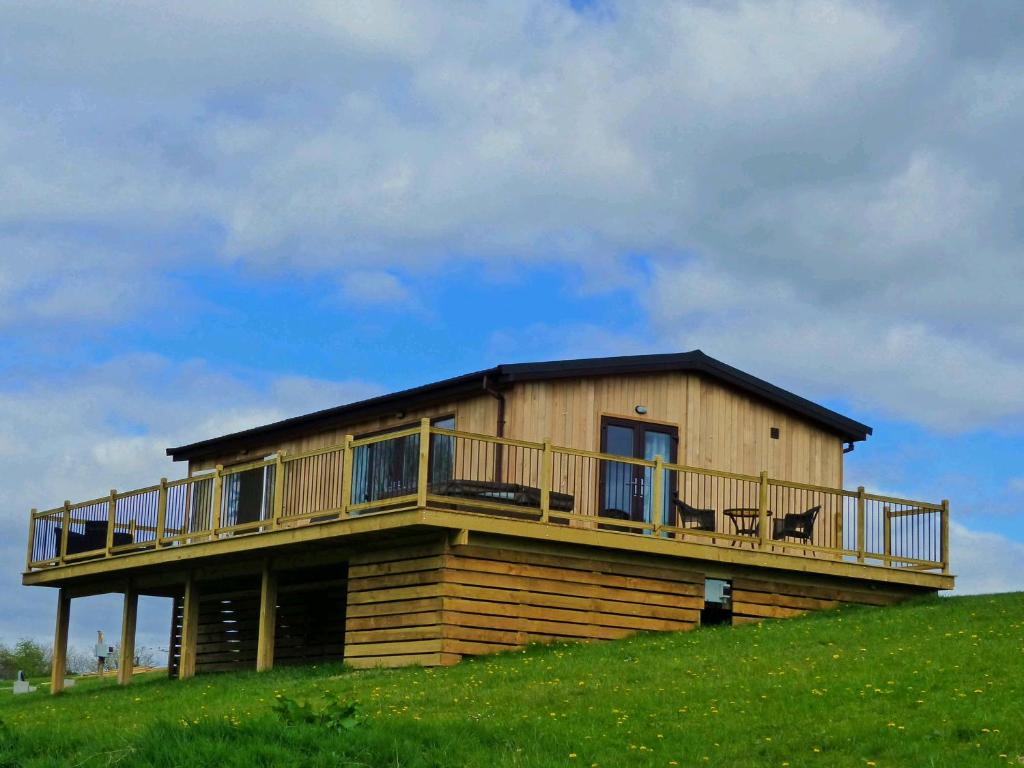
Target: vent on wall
x=774, y=432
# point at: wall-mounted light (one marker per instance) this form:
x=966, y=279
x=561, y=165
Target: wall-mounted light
x=641, y=409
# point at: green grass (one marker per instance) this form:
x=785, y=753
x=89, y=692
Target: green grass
x=932, y=683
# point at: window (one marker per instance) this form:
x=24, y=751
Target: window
x=388, y=469
x=248, y=495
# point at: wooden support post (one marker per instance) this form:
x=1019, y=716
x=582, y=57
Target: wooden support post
x=658, y=495
x=189, y=630
x=347, y=460
x=129, y=614
x=268, y=620
x=161, y=512
x=31, y=539
x=762, y=511
x=887, y=536
x=65, y=531
x=546, y=465
x=278, y=512
x=423, y=476
x=111, y=519
x=59, y=662
x=861, y=522
x=218, y=489
x=944, y=543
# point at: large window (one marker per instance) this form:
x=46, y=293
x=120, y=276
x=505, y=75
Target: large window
x=388, y=469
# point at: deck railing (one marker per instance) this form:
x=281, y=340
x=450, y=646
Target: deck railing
x=429, y=466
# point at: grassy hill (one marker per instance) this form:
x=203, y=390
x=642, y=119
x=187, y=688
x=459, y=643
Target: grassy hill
x=933, y=683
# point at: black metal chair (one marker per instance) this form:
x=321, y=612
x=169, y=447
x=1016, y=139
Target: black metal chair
x=615, y=514
x=796, y=525
x=692, y=517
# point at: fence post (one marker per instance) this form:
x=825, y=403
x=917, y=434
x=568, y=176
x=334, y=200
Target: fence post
x=886, y=535
x=111, y=520
x=347, y=460
x=658, y=495
x=861, y=518
x=218, y=486
x=66, y=531
x=546, y=465
x=944, y=545
x=161, y=512
x=278, y=511
x=424, y=474
x=762, y=510
x=31, y=539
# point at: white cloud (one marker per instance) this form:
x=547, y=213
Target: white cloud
x=376, y=287
x=107, y=427
x=985, y=562
x=837, y=169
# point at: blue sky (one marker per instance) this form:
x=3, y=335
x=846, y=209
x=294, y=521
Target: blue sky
x=211, y=220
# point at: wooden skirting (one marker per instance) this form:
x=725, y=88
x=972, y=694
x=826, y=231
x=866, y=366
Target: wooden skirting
x=755, y=599
x=433, y=601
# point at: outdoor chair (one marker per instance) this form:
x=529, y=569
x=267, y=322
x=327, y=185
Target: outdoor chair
x=796, y=525
x=692, y=517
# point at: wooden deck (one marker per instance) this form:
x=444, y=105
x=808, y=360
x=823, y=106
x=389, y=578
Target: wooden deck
x=479, y=482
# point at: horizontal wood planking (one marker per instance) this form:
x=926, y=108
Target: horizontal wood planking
x=410, y=602
x=395, y=615
x=756, y=599
x=517, y=595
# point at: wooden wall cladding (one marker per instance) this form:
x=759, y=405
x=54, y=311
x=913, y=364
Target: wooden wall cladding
x=755, y=599
x=431, y=604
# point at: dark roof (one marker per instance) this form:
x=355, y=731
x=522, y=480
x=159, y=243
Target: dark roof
x=503, y=377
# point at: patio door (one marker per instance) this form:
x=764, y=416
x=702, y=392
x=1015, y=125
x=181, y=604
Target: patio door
x=626, y=489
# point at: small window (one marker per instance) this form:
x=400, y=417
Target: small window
x=774, y=432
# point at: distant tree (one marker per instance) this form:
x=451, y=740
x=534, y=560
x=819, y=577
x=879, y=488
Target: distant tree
x=26, y=656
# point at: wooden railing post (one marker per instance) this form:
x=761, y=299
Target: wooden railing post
x=887, y=535
x=658, y=495
x=423, y=476
x=65, y=531
x=944, y=542
x=31, y=539
x=762, y=510
x=861, y=522
x=161, y=512
x=546, y=468
x=218, y=486
x=111, y=520
x=347, y=461
x=278, y=511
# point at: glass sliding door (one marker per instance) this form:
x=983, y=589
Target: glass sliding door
x=626, y=489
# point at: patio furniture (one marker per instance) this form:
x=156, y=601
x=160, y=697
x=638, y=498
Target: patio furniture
x=692, y=517
x=502, y=493
x=746, y=521
x=92, y=538
x=615, y=514
x=796, y=525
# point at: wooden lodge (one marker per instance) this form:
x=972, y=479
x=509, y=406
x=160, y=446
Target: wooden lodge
x=582, y=499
